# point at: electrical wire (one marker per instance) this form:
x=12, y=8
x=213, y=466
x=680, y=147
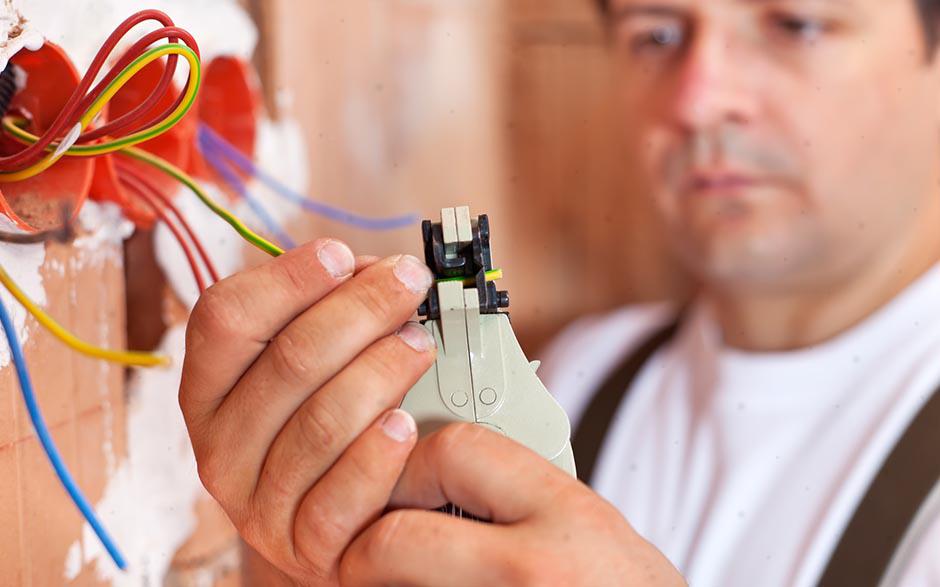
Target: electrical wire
x=491, y=275
x=230, y=177
x=48, y=445
x=208, y=139
x=181, y=176
x=76, y=104
x=144, y=192
x=167, y=203
x=128, y=358
x=113, y=145
x=132, y=118
x=176, y=173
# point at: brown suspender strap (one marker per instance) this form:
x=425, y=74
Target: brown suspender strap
x=889, y=507
x=589, y=436
x=881, y=520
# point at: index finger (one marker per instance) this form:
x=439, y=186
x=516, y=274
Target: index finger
x=237, y=317
x=481, y=471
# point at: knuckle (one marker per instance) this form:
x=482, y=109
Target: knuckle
x=449, y=439
x=363, y=468
x=219, y=312
x=263, y=537
x=527, y=569
x=317, y=532
x=214, y=471
x=292, y=275
x=211, y=472
x=319, y=425
x=381, y=365
x=374, y=300
x=293, y=354
x=275, y=485
x=385, y=533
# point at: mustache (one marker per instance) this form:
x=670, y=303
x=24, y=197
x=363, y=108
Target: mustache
x=731, y=149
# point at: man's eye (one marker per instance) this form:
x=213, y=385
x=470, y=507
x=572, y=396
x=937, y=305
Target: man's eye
x=657, y=39
x=801, y=29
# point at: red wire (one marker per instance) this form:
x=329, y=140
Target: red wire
x=172, y=34
x=34, y=152
x=81, y=99
x=146, y=192
x=168, y=202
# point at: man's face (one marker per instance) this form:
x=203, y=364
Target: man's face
x=787, y=141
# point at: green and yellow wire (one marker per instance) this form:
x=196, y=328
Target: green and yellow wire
x=491, y=275
x=10, y=125
x=129, y=358
x=117, y=144
x=125, y=145
x=181, y=176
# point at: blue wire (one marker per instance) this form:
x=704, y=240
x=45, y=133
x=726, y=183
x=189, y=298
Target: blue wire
x=214, y=159
x=209, y=138
x=29, y=398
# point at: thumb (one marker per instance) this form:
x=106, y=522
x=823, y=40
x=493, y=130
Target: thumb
x=482, y=472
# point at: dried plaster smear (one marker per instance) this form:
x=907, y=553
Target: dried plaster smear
x=148, y=503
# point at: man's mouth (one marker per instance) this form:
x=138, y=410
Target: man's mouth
x=724, y=183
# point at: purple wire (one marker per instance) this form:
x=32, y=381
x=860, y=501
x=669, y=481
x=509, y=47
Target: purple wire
x=231, y=178
x=209, y=139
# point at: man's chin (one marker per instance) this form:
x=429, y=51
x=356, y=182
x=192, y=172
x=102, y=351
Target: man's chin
x=745, y=265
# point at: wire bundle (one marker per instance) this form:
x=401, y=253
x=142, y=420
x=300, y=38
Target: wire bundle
x=228, y=175
x=71, y=135
x=159, y=203
x=224, y=157
x=71, y=131
x=70, y=127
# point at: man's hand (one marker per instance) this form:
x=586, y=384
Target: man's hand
x=547, y=528
x=291, y=375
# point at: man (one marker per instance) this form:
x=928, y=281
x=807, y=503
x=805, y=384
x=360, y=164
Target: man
x=795, y=154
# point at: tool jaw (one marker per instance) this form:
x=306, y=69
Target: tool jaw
x=481, y=374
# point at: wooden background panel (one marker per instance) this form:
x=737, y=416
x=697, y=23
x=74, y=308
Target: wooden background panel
x=418, y=104
x=588, y=239
x=398, y=101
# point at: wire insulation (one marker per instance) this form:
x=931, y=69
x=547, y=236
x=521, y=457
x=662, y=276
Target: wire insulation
x=184, y=178
x=70, y=112
x=230, y=177
x=176, y=173
x=491, y=275
x=48, y=445
x=145, y=192
x=167, y=202
x=210, y=140
x=129, y=358
x=113, y=145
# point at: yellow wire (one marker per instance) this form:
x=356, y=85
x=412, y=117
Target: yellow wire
x=9, y=124
x=181, y=176
x=492, y=275
x=129, y=358
x=99, y=104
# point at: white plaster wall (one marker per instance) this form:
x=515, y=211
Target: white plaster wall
x=148, y=504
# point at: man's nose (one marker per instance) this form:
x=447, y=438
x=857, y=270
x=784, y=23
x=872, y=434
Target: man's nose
x=714, y=84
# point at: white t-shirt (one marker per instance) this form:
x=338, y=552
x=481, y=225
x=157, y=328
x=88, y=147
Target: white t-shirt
x=744, y=468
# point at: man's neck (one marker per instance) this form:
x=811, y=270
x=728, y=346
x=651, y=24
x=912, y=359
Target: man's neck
x=766, y=322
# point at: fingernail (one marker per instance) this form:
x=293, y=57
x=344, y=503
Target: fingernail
x=336, y=258
x=399, y=425
x=417, y=337
x=413, y=274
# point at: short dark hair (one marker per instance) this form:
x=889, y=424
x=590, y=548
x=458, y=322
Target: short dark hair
x=929, y=14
